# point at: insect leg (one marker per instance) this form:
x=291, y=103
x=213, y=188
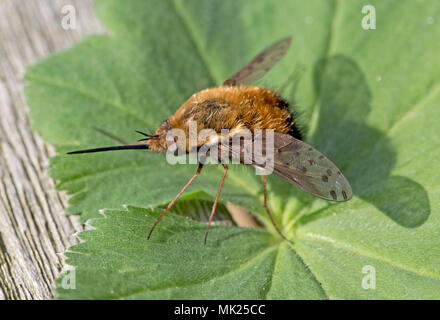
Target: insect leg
x=110, y=136
x=215, y=202
x=268, y=211
x=199, y=169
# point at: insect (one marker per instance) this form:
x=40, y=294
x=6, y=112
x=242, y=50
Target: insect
x=235, y=106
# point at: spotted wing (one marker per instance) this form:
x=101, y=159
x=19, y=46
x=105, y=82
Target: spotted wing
x=260, y=65
x=299, y=164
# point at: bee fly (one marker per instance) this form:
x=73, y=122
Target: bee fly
x=234, y=106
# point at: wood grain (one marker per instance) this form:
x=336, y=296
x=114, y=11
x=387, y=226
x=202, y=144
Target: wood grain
x=33, y=228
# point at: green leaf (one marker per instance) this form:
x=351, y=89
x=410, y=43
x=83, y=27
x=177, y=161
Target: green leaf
x=115, y=261
x=368, y=99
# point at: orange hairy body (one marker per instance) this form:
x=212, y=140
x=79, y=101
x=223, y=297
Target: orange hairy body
x=232, y=108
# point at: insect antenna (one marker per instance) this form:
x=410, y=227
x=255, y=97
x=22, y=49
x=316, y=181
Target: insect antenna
x=110, y=136
x=148, y=136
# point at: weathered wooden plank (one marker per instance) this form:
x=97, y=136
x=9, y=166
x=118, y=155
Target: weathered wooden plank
x=33, y=229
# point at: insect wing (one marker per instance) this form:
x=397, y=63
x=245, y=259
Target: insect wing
x=260, y=65
x=297, y=162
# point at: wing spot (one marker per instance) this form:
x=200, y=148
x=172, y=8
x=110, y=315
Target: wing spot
x=324, y=178
x=310, y=149
x=321, y=157
x=302, y=169
x=312, y=162
x=297, y=153
x=333, y=194
x=344, y=195
x=339, y=173
x=329, y=172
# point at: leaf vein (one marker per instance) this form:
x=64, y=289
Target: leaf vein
x=192, y=37
x=239, y=268
x=362, y=252
x=87, y=94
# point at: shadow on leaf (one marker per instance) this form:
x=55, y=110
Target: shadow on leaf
x=362, y=152
x=410, y=203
